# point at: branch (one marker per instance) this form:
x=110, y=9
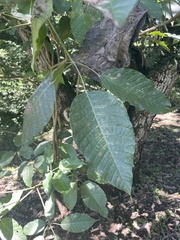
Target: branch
x=160, y=25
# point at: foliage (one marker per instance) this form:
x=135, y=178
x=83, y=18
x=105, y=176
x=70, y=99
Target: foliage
x=13, y=89
x=99, y=120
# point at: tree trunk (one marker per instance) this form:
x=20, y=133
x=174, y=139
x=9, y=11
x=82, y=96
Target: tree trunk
x=164, y=79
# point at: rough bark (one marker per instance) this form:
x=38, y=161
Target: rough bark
x=107, y=46
x=164, y=79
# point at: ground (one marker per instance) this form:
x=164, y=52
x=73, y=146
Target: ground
x=153, y=211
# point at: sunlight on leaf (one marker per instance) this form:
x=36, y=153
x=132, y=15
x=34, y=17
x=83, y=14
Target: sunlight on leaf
x=132, y=86
x=77, y=223
x=34, y=227
x=27, y=174
x=39, y=109
x=104, y=134
x=10, y=229
x=94, y=197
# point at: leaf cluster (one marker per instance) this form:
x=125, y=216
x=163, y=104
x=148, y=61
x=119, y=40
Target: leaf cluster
x=99, y=121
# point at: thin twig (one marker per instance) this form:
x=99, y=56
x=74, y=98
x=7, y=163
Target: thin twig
x=160, y=25
x=6, y=131
x=37, y=189
x=55, y=140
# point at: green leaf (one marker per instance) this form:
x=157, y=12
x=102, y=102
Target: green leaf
x=61, y=6
x=49, y=207
x=82, y=19
x=27, y=174
x=163, y=45
x=61, y=182
x=21, y=167
x=18, y=140
x=69, y=150
x=48, y=154
x=70, y=164
x=104, y=134
x=34, y=227
x=77, y=223
x=41, y=165
x=94, y=176
x=57, y=76
x=9, y=202
x=118, y=10
x=154, y=9
x=26, y=151
x=11, y=230
x=70, y=198
x=94, y=197
x=40, y=148
x=47, y=185
x=157, y=33
x=39, y=109
x=132, y=86
x=40, y=13
x=6, y=158
x=5, y=173
x=64, y=27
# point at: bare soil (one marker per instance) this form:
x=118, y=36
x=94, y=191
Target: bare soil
x=153, y=210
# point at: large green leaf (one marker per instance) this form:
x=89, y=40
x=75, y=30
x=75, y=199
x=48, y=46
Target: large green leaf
x=77, y=223
x=34, y=227
x=82, y=19
x=39, y=109
x=11, y=230
x=94, y=197
x=104, y=134
x=118, y=10
x=41, y=11
x=6, y=158
x=154, y=9
x=132, y=86
x=94, y=176
x=10, y=201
